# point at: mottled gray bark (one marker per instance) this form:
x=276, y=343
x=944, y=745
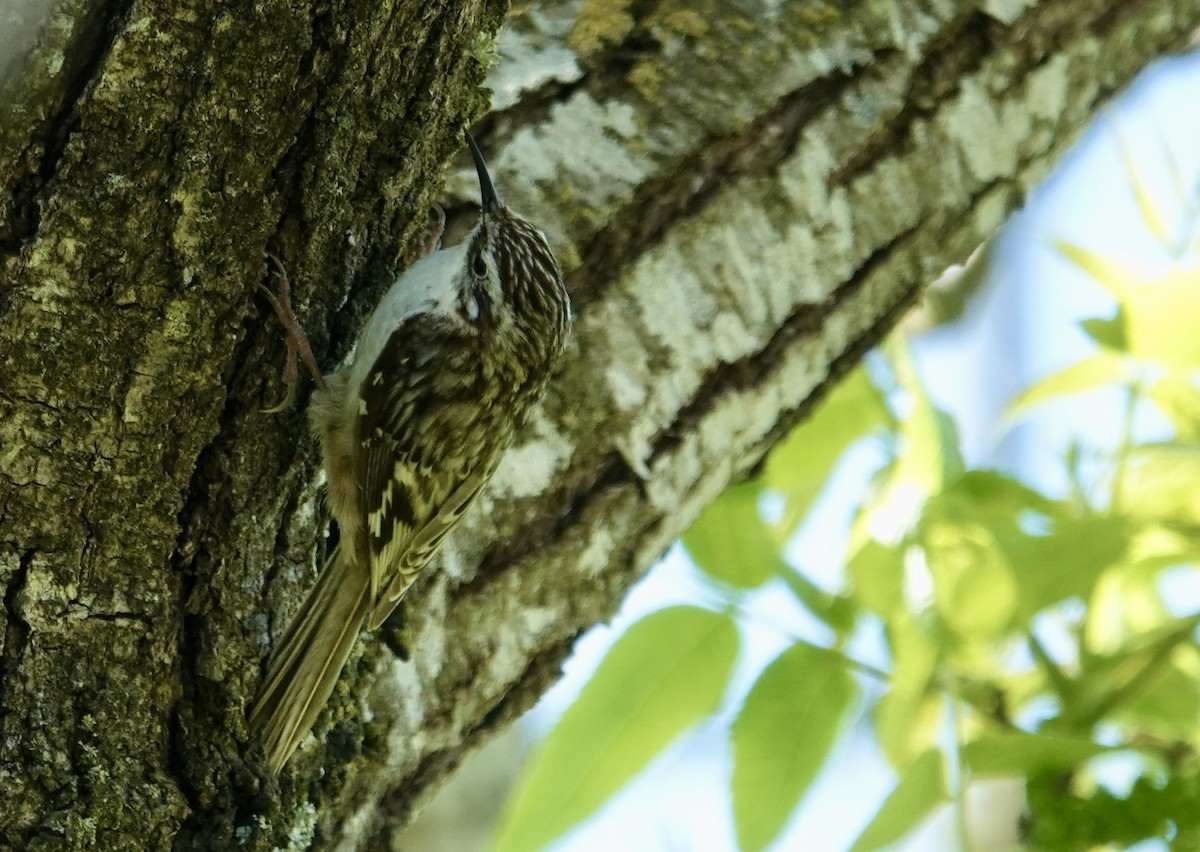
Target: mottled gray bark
x=743, y=198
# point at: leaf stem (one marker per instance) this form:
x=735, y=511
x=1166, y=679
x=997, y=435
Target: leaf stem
x=960, y=772
x=1125, y=446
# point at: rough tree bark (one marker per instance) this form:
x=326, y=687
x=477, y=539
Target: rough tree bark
x=744, y=197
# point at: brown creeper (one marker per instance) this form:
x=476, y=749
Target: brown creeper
x=450, y=363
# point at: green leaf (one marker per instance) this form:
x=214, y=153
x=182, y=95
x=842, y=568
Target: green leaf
x=731, y=542
x=799, y=467
x=1026, y=754
x=668, y=671
x=1109, y=333
x=1111, y=683
x=1103, y=368
x=1152, y=213
x=1179, y=400
x=988, y=497
x=922, y=787
x=930, y=456
x=1157, y=312
x=836, y=610
x=1112, y=275
x=1061, y=558
x=1161, y=322
x=1169, y=707
x=1160, y=482
x=782, y=736
x=975, y=591
x=983, y=561
x=876, y=574
x=908, y=717
x=1067, y=561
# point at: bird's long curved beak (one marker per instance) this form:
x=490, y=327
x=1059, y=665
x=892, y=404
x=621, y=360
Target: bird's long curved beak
x=488, y=199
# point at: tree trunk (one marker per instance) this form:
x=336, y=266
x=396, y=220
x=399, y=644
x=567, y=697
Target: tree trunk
x=744, y=196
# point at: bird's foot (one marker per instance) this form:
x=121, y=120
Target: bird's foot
x=432, y=241
x=297, y=340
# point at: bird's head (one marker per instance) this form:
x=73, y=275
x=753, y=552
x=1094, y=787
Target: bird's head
x=508, y=255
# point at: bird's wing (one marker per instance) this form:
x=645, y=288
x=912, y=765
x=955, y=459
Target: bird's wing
x=413, y=495
x=421, y=548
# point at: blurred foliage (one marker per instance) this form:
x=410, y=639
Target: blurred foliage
x=1039, y=624
x=633, y=706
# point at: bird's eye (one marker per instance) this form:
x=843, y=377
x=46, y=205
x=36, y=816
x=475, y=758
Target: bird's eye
x=478, y=266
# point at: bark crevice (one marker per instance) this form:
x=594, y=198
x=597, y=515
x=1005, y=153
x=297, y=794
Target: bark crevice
x=16, y=631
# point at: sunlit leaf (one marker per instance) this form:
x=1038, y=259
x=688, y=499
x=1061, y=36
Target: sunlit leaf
x=1179, y=400
x=908, y=715
x=1161, y=312
x=930, y=456
x=1109, y=683
x=1123, y=602
x=876, y=573
x=975, y=591
x=731, y=542
x=1170, y=706
x=1109, y=273
x=668, y=671
x=1161, y=482
x=1152, y=213
x=928, y=459
x=1157, y=309
x=922, y=787
x=988, y=497
x=1067, y=560
x=1159, y=546
x=1013, y=540
x=1026, y=754
x=1103, y=368
x=782, y=736
x=799, y=467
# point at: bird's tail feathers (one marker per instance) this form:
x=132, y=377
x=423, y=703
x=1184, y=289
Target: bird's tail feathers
x=306, y=664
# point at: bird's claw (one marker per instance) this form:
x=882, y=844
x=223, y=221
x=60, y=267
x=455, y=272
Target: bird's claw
x=297, y=340
x=432, y=240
